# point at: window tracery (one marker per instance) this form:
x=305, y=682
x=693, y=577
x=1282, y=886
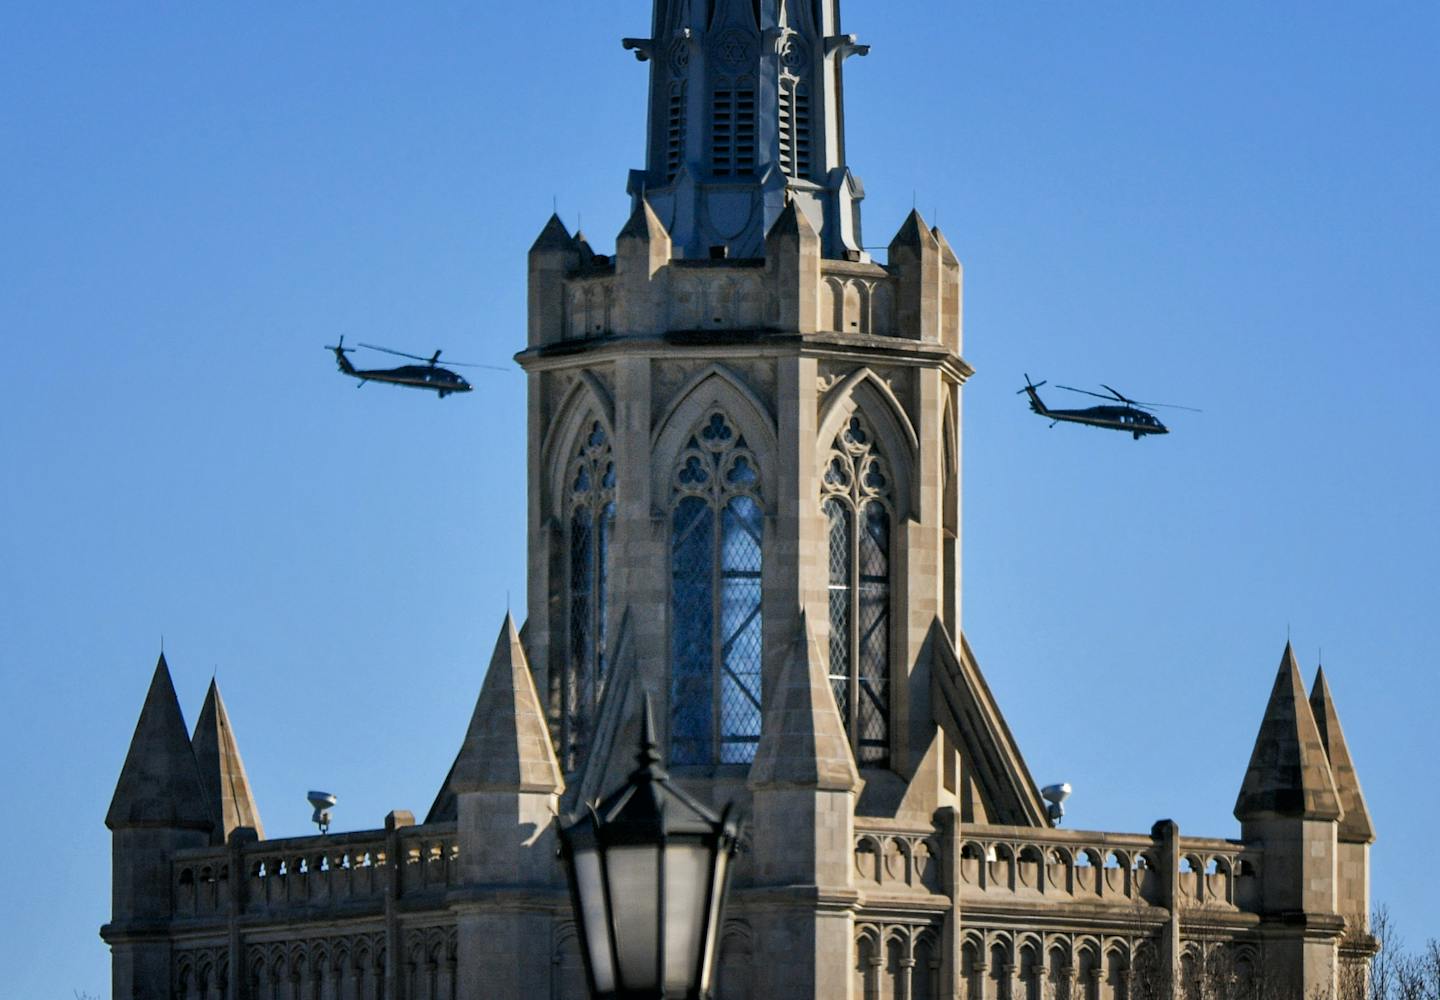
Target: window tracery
x=857, y=498
x=717, y=524
x=591, y=502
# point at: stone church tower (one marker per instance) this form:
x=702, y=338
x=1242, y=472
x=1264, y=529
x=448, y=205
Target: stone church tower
x=744, y=499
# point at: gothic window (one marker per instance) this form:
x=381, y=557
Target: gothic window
x=591, y=501
x=675, y=134
x=856, y=496
x=715, y=562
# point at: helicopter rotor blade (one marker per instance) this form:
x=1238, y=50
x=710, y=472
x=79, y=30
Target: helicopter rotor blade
x=433, y=359
x=1167, y=406
x=388, y=350
x=1085, y=392
x=476, y=364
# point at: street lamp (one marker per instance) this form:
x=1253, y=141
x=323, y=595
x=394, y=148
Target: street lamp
x=648, y=871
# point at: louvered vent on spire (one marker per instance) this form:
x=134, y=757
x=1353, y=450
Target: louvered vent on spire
x=745, y=106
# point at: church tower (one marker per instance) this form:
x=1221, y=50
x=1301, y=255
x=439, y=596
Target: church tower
x=739, y=419
x=744, y=483
x=744, y=501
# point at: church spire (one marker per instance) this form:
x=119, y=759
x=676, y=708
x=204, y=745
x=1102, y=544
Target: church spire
x=747, y=104
x=159, y=785
x=1355, y=827
x=1289, y=773
x=222, y=772
x=507, y=748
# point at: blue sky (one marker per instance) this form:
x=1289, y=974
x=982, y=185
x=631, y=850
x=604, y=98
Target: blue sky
x=1230, y=205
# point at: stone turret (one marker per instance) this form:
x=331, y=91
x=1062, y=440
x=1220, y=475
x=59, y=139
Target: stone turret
x=1289, y=802
x=1356, y=832
x=507, y=785
x=159, y=807
x=553, y=257
x=222, y=772
x=804, y=784
x=792, y=267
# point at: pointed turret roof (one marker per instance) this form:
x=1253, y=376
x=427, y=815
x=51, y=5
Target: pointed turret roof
x=914, y=233
x=222, y=772
x=507, y=748
x=553, y=237
x=792, y=222
x=160, y=785
x=947, y=252
x=643, y=224
x=802, y=740
x=1355, y=826
x=1289, y=774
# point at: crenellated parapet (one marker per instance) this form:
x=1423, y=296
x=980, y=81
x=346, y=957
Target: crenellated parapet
x=579, y=298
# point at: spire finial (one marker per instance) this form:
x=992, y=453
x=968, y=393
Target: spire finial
x=649, y=755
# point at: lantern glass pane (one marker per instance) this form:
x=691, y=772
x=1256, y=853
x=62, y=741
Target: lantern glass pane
x=635, y=883
x=591, y=885
x=712, y=921
x=687, y=884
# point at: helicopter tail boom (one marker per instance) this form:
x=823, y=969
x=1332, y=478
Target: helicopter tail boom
x=1037, y=405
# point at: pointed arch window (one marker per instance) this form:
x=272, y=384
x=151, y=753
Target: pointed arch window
x=591, y=502
x=857, y=498
x=717, y=522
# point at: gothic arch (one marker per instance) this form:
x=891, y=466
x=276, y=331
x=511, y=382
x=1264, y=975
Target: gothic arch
x=865, y=391
x=586, y=401
x=715, y=387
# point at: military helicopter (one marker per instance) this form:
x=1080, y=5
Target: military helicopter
x=1129, y=415
x=427, y=376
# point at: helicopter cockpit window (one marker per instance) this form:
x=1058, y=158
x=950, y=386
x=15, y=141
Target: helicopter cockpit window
x=717, y=521
x=591, y=495
x=856, y=496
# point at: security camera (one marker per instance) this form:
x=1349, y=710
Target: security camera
x=322, y=803
x=1056, y=796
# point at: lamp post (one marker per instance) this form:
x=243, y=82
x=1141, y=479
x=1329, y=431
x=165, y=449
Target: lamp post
x=648, y=871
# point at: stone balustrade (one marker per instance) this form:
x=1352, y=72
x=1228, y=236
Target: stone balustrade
x=1105, y=868
x=286, y=879
x=1000, y=863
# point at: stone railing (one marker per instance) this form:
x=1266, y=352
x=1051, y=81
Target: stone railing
x=857, y=298
x=897, y=859
x=345, y=871
x=1105, y=868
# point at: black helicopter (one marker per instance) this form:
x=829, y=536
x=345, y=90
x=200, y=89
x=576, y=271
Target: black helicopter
x=427, y=376
x=1129, y=415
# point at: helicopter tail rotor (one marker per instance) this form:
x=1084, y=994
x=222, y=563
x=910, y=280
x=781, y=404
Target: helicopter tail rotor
x=1029, y=385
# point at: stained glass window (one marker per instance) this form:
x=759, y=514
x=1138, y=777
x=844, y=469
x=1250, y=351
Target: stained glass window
x=591, y=500
x=717, y=527
x=856, y=497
